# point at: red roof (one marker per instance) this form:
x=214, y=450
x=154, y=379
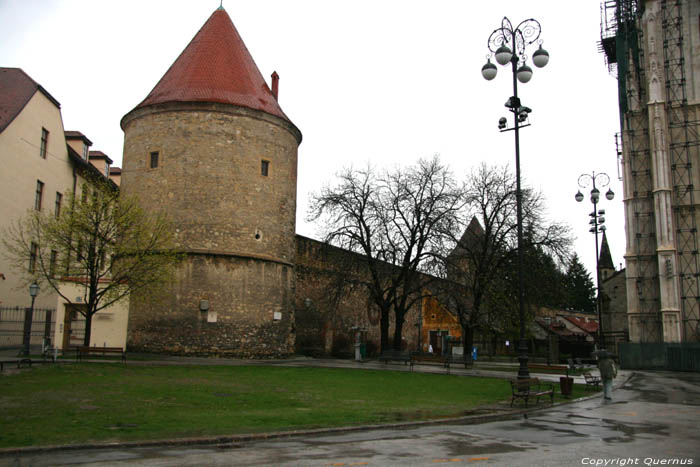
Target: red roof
x=216, y=67
x=589, y=326
x=16, y=88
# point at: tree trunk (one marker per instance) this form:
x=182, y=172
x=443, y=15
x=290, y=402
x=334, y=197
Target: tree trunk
x=88, y=329
x=384, y=329
x=398, y=330
x=467, y=342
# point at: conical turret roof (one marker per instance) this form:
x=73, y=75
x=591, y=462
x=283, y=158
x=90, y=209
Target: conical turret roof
x=605, y=260
x=216, y=67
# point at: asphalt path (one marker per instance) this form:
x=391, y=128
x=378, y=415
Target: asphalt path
x=654, y=419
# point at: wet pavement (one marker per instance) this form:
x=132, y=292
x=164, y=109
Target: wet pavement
x=653, y=420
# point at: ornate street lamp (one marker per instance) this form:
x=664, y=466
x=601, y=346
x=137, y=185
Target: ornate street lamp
x=508, y=45
x=597, y=225
x=28, y=317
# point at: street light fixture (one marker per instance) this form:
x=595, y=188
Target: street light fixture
x=508, y=45
x=28, y=317
x=596, y=222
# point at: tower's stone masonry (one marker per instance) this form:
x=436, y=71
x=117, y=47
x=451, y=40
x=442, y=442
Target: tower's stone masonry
x=235, y=224
x=209, y=177
x=244, y=293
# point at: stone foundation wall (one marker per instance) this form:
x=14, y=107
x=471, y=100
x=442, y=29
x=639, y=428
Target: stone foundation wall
x=250, y=310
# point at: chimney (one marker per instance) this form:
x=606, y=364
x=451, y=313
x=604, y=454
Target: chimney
x=275, y=84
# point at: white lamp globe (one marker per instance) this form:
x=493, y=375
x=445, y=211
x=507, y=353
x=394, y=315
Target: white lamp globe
x=540, y=58
x=489, y=70
x=503, y=55
x=524, y=74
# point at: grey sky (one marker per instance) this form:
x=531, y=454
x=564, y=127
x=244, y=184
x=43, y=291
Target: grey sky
x=387, y=81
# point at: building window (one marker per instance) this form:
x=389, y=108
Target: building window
x=44, y=142
x=154, y=159
x=85, y=151
x=33, y=252
x=52, y=264
x=39, y=195
x=265, y=168
x=59, y=198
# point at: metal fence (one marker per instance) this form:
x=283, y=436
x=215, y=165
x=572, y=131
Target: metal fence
x=660, y=356
x=14, y=319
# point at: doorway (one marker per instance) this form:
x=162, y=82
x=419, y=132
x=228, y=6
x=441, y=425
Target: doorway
x=73, y=327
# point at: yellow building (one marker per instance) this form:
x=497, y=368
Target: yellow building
x=40, y=163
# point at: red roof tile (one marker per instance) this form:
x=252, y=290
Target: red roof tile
x=216, y=67
x=587, y=325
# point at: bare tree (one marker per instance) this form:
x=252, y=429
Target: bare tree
x=397, y=221
x=102, y=241
x=481, y=270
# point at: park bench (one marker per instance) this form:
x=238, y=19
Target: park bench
x=459, y=360
x=421, y=359
x=532, y=387
x=85, y=351
x=27, y=362
x=558, y=369
x=591, y=381
x=395, y=356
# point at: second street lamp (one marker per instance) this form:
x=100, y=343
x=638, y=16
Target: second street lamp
x=597, y=225
x=508, y=45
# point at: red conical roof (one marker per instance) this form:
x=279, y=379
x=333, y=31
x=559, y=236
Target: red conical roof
x=215, y=67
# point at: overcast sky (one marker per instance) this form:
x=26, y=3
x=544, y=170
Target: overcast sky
x=388, y=81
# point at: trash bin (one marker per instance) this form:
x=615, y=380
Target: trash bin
x=566, y=384
x=363, y=350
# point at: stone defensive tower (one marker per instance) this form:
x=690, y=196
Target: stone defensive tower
x=211, y=146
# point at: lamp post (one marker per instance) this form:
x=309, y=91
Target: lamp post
x=596, y=223
x=28, y=316
x=508, y=45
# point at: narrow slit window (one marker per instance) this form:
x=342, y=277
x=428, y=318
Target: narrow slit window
x=264, y=168
x=33, y=253
x=44, y=142
x=52, y=263
x=154, y=159
x=39, y=195
x=59, y=200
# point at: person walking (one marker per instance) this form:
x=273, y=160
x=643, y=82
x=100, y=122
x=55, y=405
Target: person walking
x=608, y=372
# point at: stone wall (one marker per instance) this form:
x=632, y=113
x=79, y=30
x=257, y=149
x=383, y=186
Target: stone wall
x=332, y=301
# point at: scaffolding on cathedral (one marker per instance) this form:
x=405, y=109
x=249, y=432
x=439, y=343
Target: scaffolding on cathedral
x=657, y=274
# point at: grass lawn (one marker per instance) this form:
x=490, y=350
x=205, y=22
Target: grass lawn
x=76, y=403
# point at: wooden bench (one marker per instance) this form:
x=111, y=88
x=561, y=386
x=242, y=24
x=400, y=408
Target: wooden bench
x=459, y=360
x=20, y=362
x=395, y=356
x=557, y=369
x=84, y=351
x=420, y=359
x=532, y=387
x=591, y=381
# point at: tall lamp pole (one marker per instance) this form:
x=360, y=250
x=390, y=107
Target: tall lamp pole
x=508, y=45
x=596, y=223
x=28, y=317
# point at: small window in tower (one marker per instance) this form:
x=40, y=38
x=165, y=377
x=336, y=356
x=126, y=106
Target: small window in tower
x=265, y=168
x=154, y=159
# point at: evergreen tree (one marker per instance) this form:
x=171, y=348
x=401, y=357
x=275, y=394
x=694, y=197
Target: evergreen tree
x=580, y=287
